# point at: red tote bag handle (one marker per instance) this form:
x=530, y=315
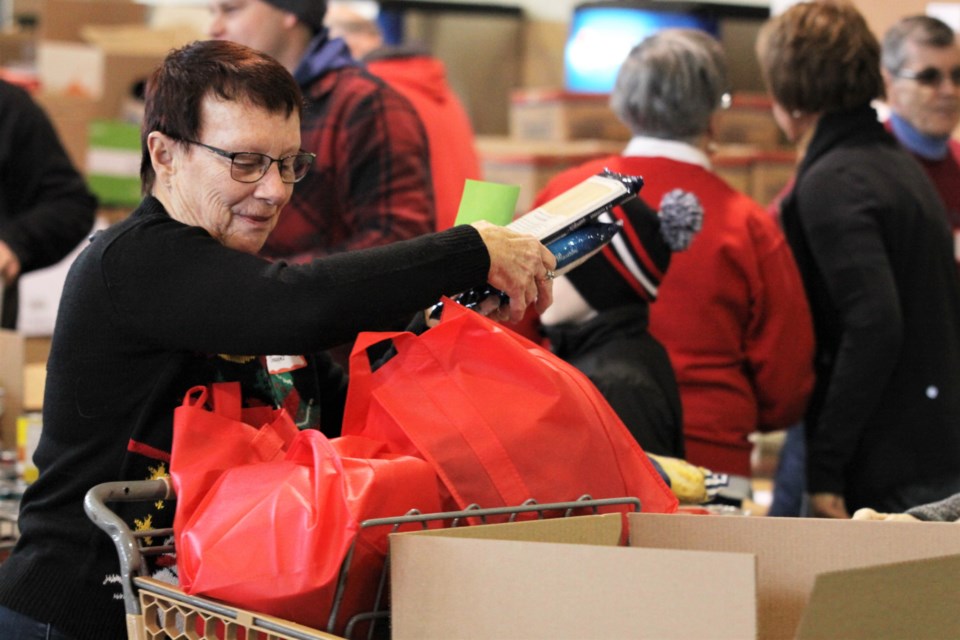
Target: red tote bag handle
x=272, y=438
x=437, y=392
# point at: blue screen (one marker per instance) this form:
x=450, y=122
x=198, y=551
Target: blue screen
x=602, y=37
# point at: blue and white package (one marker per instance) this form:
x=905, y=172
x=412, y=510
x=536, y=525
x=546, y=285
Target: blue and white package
x=579, y=245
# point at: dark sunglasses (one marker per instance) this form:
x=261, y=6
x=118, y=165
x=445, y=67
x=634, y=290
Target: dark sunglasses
x=931, y=76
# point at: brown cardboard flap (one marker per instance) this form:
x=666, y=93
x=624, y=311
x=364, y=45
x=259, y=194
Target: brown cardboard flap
x=791, y=552
x=598, y=530
x=917, y=600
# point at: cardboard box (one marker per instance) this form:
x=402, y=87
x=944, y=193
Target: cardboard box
x=90, y=71
x=526, y=580
x=735, y=168
x=36, y=352
x=65, y=19
x=17, y=48
x=772, y=171
x=679, y=577
x=108, y=64
x=530, y=164
x=749, y=120
x=759, y=172
x=71, y=117
x=554, y=115
x=11, y=379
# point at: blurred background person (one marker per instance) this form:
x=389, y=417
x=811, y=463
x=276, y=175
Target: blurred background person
x=871, y=239
x=920, y=60
x=422, y=79
x=46, y=208
x=176, y=296
x=731, y=313
x=370, y=184
x=920, y=63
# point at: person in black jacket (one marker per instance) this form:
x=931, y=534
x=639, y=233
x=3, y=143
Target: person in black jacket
x=45, y=206
x=871, y=238
x=176, y=296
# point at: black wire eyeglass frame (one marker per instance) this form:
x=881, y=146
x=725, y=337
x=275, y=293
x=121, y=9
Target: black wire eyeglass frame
x=249, y=166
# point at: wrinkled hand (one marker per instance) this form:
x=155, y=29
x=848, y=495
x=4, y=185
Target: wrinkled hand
x=828, y=505
x=869, y=514
x=9, y=264
x=518, y=267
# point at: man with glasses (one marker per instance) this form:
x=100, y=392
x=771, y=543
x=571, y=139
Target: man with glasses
x=370, y=183
x=921, y=71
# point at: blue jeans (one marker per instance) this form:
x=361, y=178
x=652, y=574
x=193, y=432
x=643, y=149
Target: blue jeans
x=789, y=483
x=15, y=626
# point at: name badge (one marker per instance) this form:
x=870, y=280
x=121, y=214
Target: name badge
x=284, y=364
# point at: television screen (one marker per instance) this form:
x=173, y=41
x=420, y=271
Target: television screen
x=603, y=33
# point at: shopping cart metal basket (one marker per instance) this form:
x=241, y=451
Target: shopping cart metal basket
x=156, y=610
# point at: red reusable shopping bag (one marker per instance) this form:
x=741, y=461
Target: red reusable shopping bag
x=501, y=419
x=265, y=516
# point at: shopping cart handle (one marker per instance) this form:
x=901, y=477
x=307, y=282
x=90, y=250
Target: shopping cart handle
x=131, y=560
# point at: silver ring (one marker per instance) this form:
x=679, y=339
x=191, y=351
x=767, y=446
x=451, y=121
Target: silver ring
x=550, y=275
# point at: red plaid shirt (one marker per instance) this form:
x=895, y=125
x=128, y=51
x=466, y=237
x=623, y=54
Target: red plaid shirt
x=370, y=184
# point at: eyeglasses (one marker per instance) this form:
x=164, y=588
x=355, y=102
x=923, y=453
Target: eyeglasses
x=931, y=76
x=247, y=166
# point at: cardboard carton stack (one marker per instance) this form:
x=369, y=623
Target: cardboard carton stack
x=72, y=75
x=101, y=52
x=530, y=164
x=550, y=130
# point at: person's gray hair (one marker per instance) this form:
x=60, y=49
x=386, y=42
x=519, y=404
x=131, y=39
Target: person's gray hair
x=922, y=30
x=670, y=84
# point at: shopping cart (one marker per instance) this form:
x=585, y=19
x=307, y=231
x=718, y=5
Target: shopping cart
x=157, y=610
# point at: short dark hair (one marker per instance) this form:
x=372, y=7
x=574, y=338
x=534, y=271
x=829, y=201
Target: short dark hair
x=230, y=71
x=820, y=57
x=923, y=30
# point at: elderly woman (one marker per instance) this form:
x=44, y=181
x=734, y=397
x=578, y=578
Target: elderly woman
x=730, y=311
x=871, y=238
x=176, y=295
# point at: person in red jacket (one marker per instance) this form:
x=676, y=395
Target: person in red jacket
x=421, y=79
x=732, y=313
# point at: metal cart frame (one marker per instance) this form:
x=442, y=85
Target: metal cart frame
x=156, y=610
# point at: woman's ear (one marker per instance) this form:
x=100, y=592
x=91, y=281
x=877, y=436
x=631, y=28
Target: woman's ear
x=162, y=149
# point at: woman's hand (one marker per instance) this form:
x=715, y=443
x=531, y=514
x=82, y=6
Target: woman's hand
x=521, y=267
x=869, y=514
x=828, y=505
x=9, y=264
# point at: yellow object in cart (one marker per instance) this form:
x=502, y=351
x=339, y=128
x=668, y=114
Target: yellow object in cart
x=687, y=481
x=28, y=435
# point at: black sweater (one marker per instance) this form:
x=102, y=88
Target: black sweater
x=875, y=251
x=45, y=207
x=147, y=300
